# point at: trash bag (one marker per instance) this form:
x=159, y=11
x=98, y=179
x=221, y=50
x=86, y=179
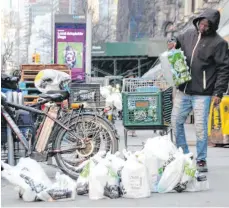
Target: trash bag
x=172, y=173
x=189, y=173
x=153, y=164
x=105, y=91
x=117, y=100
x=158, y=152
x=112, y=188
x=34, y=168
x=134, y=177
x=82, y=183
x=198, y=183
x=104, y=179
x=64, y=189
x=28, y=176
x=50, y=80
x=161, y=147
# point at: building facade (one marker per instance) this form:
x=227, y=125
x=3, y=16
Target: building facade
x=146, y=19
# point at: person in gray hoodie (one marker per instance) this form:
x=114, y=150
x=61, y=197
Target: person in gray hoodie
x=208, y=60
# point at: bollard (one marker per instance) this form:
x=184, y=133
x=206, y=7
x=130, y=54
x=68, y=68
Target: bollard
x=9, y=97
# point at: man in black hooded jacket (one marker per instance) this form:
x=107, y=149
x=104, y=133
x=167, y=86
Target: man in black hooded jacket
x=208, y=60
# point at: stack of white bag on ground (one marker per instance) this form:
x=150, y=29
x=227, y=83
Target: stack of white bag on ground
x=158, y=167
x=33, y=184
x=171, y=170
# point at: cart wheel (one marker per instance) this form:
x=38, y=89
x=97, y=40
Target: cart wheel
x=162, y=132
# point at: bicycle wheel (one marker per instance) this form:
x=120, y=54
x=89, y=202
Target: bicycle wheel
x=90, y=127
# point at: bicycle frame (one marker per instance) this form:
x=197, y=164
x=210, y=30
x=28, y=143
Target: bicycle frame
x=16, y=129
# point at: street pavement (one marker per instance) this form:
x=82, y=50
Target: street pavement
x=217, y=196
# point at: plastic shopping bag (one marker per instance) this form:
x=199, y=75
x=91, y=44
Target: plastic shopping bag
x=174, y=63
x=49, y=79
x=199, y=183
x=64, y=189
x=172, y=173
x=161, y=147
x=189, y=173
x=134, y=178
x=28, y=176
x=117, y=100
x=105, y=91
x=104, y=180
x=82, y=183
x=158, y=153
x=97, y=180
x=112, y=188
x=22, y=186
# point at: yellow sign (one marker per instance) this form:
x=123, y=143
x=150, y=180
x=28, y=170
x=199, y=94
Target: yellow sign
x=36, y=58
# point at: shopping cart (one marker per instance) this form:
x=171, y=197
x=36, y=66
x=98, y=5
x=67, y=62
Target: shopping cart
x=147, y=105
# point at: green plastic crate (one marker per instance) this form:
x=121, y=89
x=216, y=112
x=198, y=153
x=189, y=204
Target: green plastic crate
x=142, y=108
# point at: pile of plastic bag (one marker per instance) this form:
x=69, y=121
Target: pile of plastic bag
x=158, y=167
x=170, y=169
x=33, y=184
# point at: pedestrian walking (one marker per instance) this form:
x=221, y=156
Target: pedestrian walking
x=208, y=60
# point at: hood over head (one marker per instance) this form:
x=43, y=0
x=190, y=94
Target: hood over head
x=213, y=16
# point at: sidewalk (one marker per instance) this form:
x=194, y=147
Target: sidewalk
x=217, y=196
x=145, y=134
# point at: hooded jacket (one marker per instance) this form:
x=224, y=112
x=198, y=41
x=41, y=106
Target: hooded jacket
x=207, y=57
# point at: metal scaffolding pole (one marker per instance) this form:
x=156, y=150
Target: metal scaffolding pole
x=88, y=42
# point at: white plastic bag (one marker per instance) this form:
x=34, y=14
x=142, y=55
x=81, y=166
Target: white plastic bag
x=104, y=180
x=82, y=183
x=28, y=176
x=105, y=91
x=34, y=168
x=55, y=77
x=97, y=180
x=64, y=189
x=189, y=173
x=117, y=100
x=166, y=68
x=153, y=164
x=194, y=185
x=172, y=173
x=158, y=152
x=134, y=178
x=161, y=147
x=24, y=189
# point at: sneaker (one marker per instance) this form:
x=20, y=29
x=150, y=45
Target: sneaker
x=202, y=166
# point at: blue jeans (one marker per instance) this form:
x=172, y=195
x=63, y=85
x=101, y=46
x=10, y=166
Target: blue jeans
x=183, y=104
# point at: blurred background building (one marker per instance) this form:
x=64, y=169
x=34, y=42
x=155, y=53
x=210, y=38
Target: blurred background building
x=28, y=22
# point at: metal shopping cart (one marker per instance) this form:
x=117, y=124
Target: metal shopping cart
x=147, y=105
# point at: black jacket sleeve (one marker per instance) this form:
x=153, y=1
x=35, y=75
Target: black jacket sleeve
x=222, y=69
x=179, y=41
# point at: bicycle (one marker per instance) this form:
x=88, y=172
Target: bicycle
x=82, y=134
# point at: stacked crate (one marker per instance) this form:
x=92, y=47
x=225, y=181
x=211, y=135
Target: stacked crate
x=28, y=74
